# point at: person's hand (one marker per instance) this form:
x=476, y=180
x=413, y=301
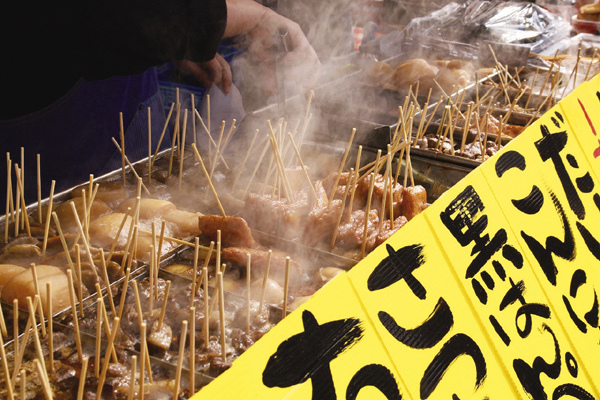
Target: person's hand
x=301, y=63
x=215, y=71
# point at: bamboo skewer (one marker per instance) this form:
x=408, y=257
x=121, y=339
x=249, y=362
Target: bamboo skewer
x=302, y=165
x=341, y=214
x=118, y=235
x=36, y=285
x=85, y=241
x=587, y=74
x=8, y=196
x=131, y=390
x=222, y=315
x=82, y=377
x=286, y=287
x=245, y=160
x=184, y=325
x=356, y=173
x=3, y=330
x=143, y=352
x=106, y=362
x=162, y=135
x=131, y=167
x=39, y=190
x=43, y=379
x=206, y=322
x=367, y=211
x=48, y=215
x=16, y=326
x=213, y=159
x=248, y=289
x=50, y=326
x=19, y=173
x=99, y=318
x=122, y=147
x=23, y=383
x=260, y=159
x=36, y=336
x=181, y=157
x=74, y=313
x=163, y=309
x=265, y=279
x=195, y=271
x=212, y=188
x=192, y=360
x=342, y=164
x=537, y=71
x=149, y=147
x=175, y=138
x=23, y=345
x=7, y=379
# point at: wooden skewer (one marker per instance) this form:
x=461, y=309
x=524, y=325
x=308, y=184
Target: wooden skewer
x=82, y=378
x=17, y=218
x=573, y=74
x=85, y=242
x=161, y=239
x=175, y=138
x=286, y=286
x=122, y=147
x=537, y=71
x=107, y=281
x=16, y=326
x=280, y=164
x=213, y=160
x=248, y=289
x=103, y=315
x=212, y=188
x=99, y=317
x=184, y=325
x=205, y=328
x=39, y=189
x=131, y=390
x=7, y=380
x=164, y=305
x=23, y=205
x=79, y=279
x=341, y=214
x=210, y=138
x=367, y=211
x=195, y=271
x=587, y=74
x=8, y=195
x=181, y=157
x=222, y=315
x=149, y=146
x=245, y=160
x=50, y=326
x=162, y=135
x=257, y=165
x=143, y=352
x=356, y=170
x=36, y=285
x=342, y=164
x=124, y=293
x=22, y=347
x=265, y=279
x=43, y=379
x=192, y=360
x=3, y=330
x=131, y=167
x=74, y=313
x=106, y=362
x=36, y=336
x=48, y=215
x=310, y=184
x=23, y=379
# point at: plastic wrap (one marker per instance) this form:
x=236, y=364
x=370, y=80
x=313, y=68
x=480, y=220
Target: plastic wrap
x=508, y=22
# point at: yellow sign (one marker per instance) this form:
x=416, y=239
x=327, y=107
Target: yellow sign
x=491, y=293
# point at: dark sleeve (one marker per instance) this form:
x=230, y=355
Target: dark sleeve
x=125, y=37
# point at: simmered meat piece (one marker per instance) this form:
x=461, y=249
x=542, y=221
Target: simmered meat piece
x=386, y=230
x=278, y=217
x=351, y=233
x=414, y=202
x=238, y=255
x=322, y=218
x=234, y=230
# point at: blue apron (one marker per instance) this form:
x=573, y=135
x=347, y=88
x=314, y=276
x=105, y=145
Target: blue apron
x=73, y=134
